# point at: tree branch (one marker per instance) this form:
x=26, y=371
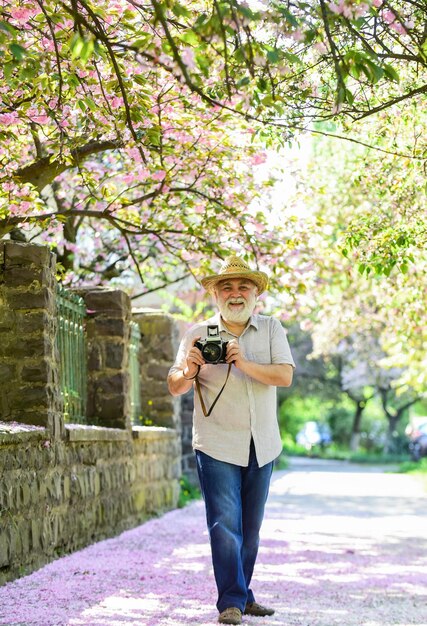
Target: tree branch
x=43, y=171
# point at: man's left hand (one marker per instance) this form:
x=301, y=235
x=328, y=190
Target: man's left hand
x=234, y=354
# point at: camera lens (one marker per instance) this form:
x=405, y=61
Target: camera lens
x=211, y=352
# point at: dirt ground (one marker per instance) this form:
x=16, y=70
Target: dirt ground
x=341, y=545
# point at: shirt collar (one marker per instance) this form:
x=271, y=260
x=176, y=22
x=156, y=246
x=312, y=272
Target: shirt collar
x=217, y=319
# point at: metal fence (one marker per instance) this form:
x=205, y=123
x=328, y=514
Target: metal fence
x=134, y=373
x=71, y=342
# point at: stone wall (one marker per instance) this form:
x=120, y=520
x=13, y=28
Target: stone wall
x=108, y=335
x=159, y=343
x=29, y=389
x=58, y=496
x=63, y=486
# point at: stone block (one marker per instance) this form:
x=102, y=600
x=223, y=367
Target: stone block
x=111, y=410
x=32, y=416
x=42, y=299
x=109, y=385
x=7, y=373
x=39, y=372
x=28, y=322
x=114, y=355
x=30, y=277
x=154, y=323
x=106, y=327
x=17, y=254
x=7, y=321
x=158, y=371
x=35, y=534
x=107, y=300
x=94, y=357
x=15, y=543
x=28, y=396
x=4, y=549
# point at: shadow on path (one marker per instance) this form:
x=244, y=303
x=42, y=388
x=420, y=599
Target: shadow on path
x=340, y=546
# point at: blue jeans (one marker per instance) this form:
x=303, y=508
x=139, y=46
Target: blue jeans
x=235, y=500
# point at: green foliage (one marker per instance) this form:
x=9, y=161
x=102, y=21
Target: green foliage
x=188, y=492
x=418, y=470
x=412, y=467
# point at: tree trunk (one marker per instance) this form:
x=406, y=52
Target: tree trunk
x=357, y=420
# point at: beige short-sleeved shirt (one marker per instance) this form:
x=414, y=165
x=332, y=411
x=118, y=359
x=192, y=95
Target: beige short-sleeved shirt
x=246, y=408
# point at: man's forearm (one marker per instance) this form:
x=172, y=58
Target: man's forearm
x=278, y=375
x=178, y=384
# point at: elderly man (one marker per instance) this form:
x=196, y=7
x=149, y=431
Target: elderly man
x=235, y=360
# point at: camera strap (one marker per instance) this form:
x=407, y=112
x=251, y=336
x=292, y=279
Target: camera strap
x=199, y=392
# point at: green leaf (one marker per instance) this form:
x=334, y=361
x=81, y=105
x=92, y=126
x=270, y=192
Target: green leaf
x=374, y=72
x=288, y=16
x=273, y=55
x=140, y=79
x=90, y=103
x=7, y=28
x=189, y=38
x=180, y=11
x=292, y=58
x=391, y=73
x=87, y=50
x=76, y=45
x=18, y=52
x=142, y=41
x=8, y=69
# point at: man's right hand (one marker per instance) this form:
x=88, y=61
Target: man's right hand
x=194, y=361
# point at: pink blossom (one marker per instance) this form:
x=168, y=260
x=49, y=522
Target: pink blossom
x=388, y=16
x=129, y=179
x=39, y=119
x=187, y=56
x=159, y=175
x=334, y=8
x=377, y=3
x=9, y=118
x=23, y=14
x=135, y=155
x=259, y=158
x=116, y=102
x=320, y=47
x=298, y=35
x=398, y=28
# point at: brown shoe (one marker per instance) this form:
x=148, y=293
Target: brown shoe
x=232, y=615
x=253, y=608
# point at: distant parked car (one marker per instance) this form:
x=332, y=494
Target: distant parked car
x=314, y=434
x=417, y=441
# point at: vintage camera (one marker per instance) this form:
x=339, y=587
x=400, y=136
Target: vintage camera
x=213, y=348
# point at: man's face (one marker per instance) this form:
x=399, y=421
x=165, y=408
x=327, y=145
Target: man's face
x=236, y=299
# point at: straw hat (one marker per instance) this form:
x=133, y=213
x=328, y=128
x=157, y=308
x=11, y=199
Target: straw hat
x=236, y=268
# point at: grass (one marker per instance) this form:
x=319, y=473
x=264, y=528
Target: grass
x=335, y=452
x=417, y=469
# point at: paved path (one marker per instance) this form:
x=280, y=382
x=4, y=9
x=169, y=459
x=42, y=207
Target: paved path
x=342, y=545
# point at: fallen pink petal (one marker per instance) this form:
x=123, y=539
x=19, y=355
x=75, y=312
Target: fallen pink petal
x=341, y=545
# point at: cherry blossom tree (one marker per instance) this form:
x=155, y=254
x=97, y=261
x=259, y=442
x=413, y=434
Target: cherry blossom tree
x=372, y=208
x=129, y=131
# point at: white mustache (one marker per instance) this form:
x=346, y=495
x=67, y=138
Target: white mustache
x=236, y=301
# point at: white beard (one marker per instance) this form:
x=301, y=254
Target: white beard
x=237, y=316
